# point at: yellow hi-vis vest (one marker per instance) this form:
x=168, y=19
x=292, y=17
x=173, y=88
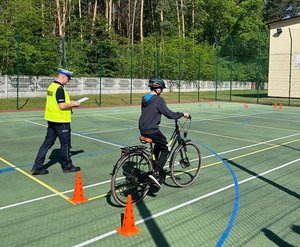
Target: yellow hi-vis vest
x=53, y=113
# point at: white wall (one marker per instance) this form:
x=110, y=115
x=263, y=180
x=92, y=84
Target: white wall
x=35, y=86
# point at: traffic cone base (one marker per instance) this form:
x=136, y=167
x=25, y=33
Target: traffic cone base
x=133, y=230
x=128, y=227
x=78, y=196
x=246, y=106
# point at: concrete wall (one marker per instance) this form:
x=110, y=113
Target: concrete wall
x=36, y=86
x=284, y=58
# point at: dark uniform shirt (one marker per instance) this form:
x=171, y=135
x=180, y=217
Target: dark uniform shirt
x=60, y=94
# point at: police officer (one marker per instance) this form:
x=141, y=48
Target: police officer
x=58, y=114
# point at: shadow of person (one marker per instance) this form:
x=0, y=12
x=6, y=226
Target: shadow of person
x=73, y=153
x=296, y=228
x=55, y=157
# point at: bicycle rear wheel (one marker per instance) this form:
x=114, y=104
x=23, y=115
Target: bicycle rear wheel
x=185, y=164
x=127, y=180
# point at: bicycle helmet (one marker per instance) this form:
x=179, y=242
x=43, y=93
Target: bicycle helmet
x=156, y=83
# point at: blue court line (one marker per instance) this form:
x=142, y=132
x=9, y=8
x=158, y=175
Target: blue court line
x=11, y=169
x=236, y=199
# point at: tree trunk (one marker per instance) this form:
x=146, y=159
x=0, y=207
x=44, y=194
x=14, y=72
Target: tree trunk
x=110, y=16
x=193, y=16
x=94, y=20
x=161, y=19
x=59, y=20
x=43, y=16
x=142, y=22
x=119, y=17
x=129, y=20
x=178, y=20
x=182, y=18
x=79, y=10
x=61, y=23
x=133, y=21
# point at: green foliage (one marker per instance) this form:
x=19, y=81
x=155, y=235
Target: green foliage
x=29, y=36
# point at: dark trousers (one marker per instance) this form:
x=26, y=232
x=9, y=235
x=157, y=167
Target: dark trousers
x=161, y=151
x=54, y=130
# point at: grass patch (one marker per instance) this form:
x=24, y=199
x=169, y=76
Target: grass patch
x=243, y=96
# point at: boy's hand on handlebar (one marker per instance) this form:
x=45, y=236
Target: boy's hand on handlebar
x=186, y=115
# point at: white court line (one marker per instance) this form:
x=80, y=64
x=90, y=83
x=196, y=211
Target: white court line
x=107, y=131
x=48, y=196
x=108, y=181
x=93, y=240
x=80, y=135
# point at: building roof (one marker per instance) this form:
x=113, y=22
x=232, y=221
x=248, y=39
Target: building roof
x=279, y=21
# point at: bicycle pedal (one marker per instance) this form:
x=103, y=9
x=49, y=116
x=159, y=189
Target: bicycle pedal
x=154, y=180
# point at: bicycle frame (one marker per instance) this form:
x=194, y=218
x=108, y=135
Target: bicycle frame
x=175, y=140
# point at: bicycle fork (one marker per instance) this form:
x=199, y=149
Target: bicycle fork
x=184, y=162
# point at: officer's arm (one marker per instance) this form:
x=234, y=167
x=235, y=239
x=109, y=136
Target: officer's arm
x=67, y=106
x=60, y=98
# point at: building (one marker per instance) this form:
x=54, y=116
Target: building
x=284, y=58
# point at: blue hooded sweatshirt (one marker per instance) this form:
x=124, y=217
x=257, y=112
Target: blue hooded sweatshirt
x=153, y=106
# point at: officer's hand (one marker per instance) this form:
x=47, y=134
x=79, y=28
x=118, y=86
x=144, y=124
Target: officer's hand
x=75, y=103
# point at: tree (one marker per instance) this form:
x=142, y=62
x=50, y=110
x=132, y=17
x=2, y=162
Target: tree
x=281, y=9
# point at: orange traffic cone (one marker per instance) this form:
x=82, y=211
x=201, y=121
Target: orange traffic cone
x=128, y=227
x=281, y=106
x=78, y=196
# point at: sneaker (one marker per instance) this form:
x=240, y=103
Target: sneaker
x=155, y=179
x=41, y=171
x=71, y=168
x=143, y=177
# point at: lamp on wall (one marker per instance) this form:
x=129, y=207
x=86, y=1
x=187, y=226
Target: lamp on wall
x=279, y=30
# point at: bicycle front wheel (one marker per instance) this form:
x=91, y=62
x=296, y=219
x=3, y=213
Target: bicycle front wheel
x=185, y=164
x=126, y=179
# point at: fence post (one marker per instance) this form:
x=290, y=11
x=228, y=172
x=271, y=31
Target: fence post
x=18, y=65
x=131, y=72
x=6, y=85
x=217, y=69
x=199, y=78
x=231, y=68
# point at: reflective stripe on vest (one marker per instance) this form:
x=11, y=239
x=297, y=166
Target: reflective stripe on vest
x=53, y=113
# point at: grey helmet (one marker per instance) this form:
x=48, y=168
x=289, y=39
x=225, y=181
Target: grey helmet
x=156, y=83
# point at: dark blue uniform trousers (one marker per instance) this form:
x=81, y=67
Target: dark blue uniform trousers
x=54, y=130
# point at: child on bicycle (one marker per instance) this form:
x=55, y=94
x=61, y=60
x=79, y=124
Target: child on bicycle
x=153, y=106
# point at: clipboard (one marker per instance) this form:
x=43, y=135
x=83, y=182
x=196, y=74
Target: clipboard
x=83, y=99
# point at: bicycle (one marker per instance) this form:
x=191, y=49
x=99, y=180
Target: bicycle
x=128, y=175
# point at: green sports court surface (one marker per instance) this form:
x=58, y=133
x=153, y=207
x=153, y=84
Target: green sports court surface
x=247, y=193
